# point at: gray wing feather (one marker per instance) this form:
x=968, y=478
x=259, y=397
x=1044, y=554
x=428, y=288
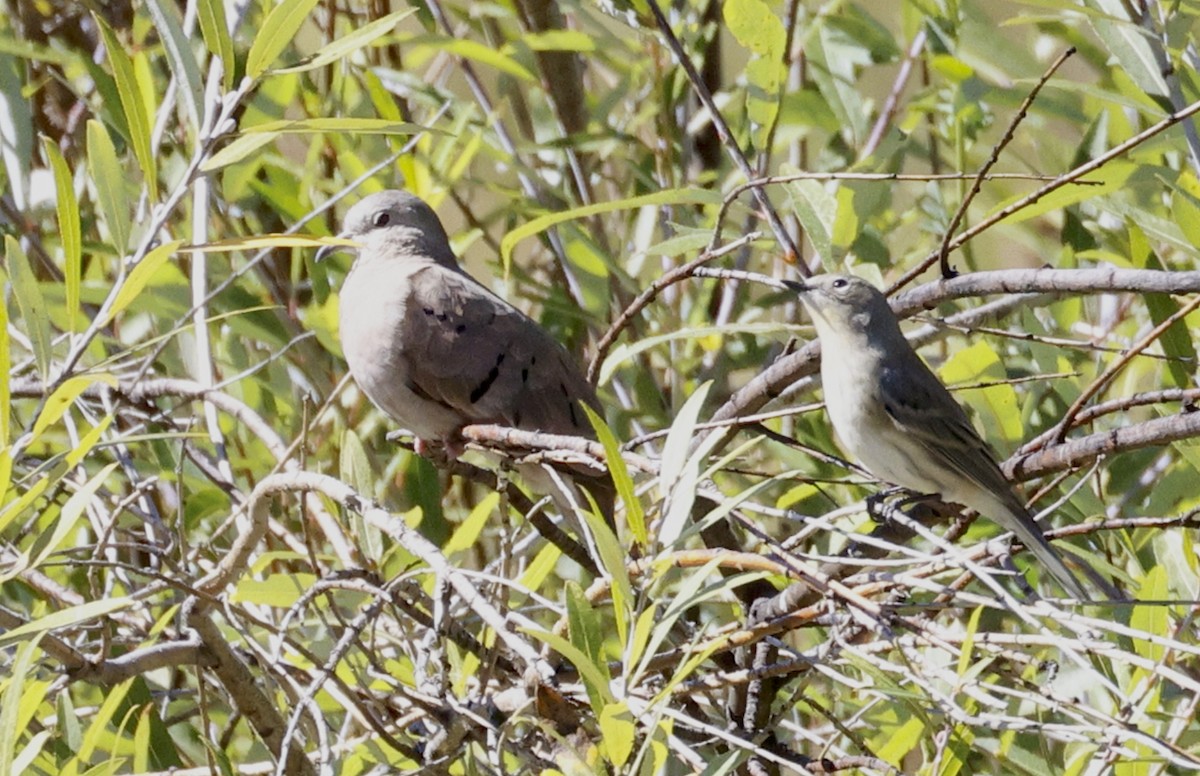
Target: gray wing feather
x=470, y=350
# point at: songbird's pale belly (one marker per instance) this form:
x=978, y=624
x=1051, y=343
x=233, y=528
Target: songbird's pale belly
x=372, y=338
x=868, y=433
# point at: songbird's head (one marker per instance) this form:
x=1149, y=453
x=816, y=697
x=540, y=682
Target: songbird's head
x=394, y=224
x=844, y=307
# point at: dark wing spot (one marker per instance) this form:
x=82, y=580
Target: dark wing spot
x=460, y=328
x=516, y=421
x=570, y=404
x=428, y=310
x=525, y=374
x=486, y=384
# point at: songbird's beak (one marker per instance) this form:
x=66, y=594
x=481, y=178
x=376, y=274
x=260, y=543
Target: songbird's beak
x=795, y=285
x=325, y=251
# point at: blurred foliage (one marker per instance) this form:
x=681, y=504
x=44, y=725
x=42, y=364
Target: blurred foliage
x=148, y=385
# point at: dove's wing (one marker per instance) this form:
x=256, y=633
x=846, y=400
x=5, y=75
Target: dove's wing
x=470, y=351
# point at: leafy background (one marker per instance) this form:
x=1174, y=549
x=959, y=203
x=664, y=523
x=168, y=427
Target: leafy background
x=194, y=579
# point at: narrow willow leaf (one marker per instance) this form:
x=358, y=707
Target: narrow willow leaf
x=21, y=669
x=69, y=230
x=62, y=618
x=215, y=30
x=635, y=516
x=277, y=31
x=348, y=44
x=109, y=180
x=16, y=130
x=254, y=138
x=486, y=55
x=33, y=305
x=467, y=533
x=49, y=541
x=258, y=242
x=139, y=276
x=132, y=105
x=64, y=396
x=5, y=388
x=183, y=64
x=589, y=672
x=539, y=225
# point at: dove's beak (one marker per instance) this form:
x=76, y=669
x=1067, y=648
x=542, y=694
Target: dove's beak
x=325, y=251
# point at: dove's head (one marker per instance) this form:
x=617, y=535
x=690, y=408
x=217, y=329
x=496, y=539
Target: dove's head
x=846, y=310
x=395, y=225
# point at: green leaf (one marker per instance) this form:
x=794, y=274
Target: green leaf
x=71, y=615
x=1109, y=179
x=817, y=210
x=635, y=516
x=1176, y=341
x=64, y=525
x=485, y=55
x=679, y=471
x=541, y=224
x=16, y=130
x=5, y=393
x=132, y=104
x=589, y=672
x=109, y=180
x=28, y=292
x=755, y=26
x=1129, y=43
x=214, y=28
x=618, y=732
x=69, y=230
x=348, y=44
x=277, y=31
x=254, y=138
x=189, y=84
x=139, y=276
x=467, y=533
x=560, y=40
x=21, y=669
x=587, y=636
x=64, y=396
x=997, y=404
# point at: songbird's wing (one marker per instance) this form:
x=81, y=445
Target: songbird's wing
x=469, y=350
x=923, y=409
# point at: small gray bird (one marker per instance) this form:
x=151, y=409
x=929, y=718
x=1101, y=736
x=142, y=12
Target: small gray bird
x=436, y=350
x=895, y=416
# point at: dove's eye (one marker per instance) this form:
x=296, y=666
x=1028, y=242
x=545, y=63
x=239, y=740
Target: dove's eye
x=382, y=218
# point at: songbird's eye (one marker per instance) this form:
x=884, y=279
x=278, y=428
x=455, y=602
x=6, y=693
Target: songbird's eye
x=841, y=283
x=382, y=218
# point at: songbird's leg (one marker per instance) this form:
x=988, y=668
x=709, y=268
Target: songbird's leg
x=881, y=505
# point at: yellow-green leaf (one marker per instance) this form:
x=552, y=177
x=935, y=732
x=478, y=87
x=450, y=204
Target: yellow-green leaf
x=109, y=180
x=139, y=276
x=133, y=105
x=211, y=15
x=277, y=31
x=348, y=44
x=62, y=618
x=69, y=231
x=254, y=138
x=538, y=225
x=64, y=396
x=618, y=732
x=32, y=303
x=468, y=531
